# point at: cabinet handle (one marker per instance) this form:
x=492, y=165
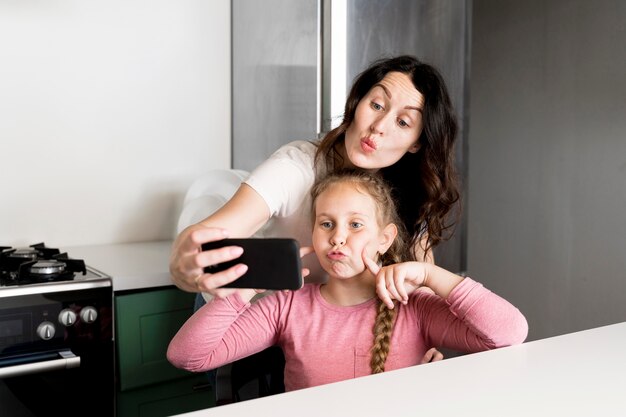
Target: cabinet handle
x=203, y=387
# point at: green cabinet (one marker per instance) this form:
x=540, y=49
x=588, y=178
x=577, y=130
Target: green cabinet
x=167, y=399
x=148, y=384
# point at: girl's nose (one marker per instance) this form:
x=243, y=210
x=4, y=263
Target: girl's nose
x=338, y=239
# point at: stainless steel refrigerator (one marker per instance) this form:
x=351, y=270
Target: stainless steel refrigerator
x=294, y=60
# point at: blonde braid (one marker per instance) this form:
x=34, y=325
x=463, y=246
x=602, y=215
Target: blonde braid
x=383, y=327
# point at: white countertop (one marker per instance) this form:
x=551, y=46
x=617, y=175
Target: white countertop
x=131, y=265
x=579, y=374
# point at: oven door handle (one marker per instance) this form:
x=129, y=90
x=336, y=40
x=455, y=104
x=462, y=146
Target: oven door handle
x=68, y=360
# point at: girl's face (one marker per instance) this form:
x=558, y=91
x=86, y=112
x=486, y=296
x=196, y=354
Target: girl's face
x=387, y=123
x=346, y=223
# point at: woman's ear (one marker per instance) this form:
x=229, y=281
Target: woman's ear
x=387, y=237
x=415, y=147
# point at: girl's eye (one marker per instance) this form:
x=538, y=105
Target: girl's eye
x=356, y=225
x=326, y=225
x=376, y=106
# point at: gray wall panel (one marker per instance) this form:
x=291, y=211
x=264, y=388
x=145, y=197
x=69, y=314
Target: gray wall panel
x=548, y=159
x=274, y=76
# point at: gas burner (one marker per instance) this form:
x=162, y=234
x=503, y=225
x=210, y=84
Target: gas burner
x=37, y=263
x=29, y=253
x=47, y=268
x=36, y=251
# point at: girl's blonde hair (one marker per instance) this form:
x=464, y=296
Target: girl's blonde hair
x=386, y=212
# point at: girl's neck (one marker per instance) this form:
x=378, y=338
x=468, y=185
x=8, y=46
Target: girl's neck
x=348, y=292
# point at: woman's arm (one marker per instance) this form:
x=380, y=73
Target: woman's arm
x=244, y=214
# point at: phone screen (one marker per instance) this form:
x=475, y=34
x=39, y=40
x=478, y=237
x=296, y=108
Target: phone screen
x=273, y=263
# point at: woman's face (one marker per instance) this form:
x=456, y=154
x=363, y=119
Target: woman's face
x=346, y=225
x=387, y=123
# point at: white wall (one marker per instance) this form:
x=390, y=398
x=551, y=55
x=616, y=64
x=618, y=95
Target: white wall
x=547, y=159
x=108, y=111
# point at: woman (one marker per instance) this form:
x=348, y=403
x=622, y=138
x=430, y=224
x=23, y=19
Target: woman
x=398, y=119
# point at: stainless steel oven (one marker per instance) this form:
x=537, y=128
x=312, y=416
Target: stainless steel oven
x=56, y=338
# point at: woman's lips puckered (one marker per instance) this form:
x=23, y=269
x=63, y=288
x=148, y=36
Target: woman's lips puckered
x=368, y=145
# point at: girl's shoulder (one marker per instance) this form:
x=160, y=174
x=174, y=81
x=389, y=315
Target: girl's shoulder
x=307, y=292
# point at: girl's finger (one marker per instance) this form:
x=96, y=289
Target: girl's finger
x=370, y=263
x=401, y=288
x=392, y=287
x=381, y=291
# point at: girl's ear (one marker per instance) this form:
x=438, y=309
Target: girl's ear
x=387, y=237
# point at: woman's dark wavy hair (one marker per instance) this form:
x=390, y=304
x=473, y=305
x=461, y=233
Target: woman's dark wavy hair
x=425, y=183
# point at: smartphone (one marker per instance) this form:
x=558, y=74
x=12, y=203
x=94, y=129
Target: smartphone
x=273, y=263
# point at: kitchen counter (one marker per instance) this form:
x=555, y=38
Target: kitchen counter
x=578, y=374
x=131, y=265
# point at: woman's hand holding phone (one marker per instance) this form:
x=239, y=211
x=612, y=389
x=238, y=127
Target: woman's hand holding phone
x=188, y=261
x=273, y=263
x=248, y=294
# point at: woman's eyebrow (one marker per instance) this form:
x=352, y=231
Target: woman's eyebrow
x=388, y=94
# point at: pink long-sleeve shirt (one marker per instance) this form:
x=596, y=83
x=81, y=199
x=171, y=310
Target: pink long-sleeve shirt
x=326, y=343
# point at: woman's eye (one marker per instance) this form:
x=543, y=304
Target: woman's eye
x=376, y=106
x=402, y=123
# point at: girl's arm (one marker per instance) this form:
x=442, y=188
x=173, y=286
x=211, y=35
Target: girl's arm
x=463, y=315
x=395, y=282
x=470, y=319
x=224, y=330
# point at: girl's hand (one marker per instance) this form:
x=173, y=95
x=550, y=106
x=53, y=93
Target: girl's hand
x=432, y=355
x=395, y=282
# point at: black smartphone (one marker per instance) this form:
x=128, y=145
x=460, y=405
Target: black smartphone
x=273, y=263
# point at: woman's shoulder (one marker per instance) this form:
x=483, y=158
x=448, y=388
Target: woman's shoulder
x=297, y=150
x=284, y=179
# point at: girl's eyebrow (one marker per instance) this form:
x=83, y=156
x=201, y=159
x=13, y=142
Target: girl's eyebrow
x=388, y=94
x=352, y=213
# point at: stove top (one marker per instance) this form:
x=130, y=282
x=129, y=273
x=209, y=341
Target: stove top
x=38, y=264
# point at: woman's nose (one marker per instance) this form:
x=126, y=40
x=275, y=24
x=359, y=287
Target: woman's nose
x=378, y=126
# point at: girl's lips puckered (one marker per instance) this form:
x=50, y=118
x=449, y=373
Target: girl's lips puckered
x=335, y=255
x=368, y=145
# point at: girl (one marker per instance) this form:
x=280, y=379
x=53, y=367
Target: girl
x=340, y=329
